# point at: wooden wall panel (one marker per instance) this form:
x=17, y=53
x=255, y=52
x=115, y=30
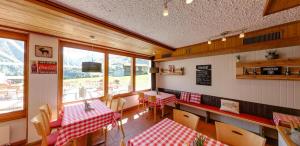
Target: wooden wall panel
x=234, y=44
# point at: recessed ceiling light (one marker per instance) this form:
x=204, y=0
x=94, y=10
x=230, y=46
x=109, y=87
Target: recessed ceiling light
x=188, y=1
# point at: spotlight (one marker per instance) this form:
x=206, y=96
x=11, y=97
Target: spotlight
x=209, y=42
x=242, y=35
x=165, y=11
x=224, y=39
x=188, y=1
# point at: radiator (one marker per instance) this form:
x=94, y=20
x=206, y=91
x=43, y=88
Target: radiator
x=4, y=135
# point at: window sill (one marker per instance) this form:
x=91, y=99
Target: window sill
x=12, y=116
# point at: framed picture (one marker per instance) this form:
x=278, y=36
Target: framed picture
x=43, y=51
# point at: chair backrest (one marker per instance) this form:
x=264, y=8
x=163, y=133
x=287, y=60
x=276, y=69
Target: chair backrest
x=235, y=136
x=152, y=99
x=40, y=127
x=46, y=109
x=185, y=118
x=122, y=142
x=141, y=95
x=108, y=100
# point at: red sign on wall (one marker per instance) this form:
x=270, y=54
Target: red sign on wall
x=47, y=67
x=44, y=67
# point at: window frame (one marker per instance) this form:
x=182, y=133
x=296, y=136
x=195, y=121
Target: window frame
x=61, y=70
x=20, y=37
x=97, y=48
x=136, y=76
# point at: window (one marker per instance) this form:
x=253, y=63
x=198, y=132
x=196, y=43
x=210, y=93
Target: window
x=78, y=82
x=12, y=62
x=143, y=77
x=119, y=74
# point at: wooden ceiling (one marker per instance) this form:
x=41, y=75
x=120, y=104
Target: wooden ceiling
x=40, y=17
x=273, y=6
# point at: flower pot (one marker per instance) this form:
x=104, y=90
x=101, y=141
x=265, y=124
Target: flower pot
x=295, y=136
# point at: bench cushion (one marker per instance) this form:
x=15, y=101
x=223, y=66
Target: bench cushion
x=185, y=96
x=195, y=98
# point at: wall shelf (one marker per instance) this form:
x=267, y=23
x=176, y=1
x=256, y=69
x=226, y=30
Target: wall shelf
x=177, y=71
x=251, y=70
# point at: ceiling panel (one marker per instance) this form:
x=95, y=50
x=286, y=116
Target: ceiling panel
x=29, y=16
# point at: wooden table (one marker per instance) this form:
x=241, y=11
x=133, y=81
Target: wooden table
x=171, y=133
x=76, y=122
x=162, y=98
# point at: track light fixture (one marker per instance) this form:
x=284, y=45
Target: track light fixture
x=209, y=42
x=242, y=35
x=224, y=39
x=166, y=11
x=188, y=1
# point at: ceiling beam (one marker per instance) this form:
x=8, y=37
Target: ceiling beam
x=274, y=6
x=84, y=16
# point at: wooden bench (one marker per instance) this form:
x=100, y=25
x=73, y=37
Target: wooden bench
x=262, y=122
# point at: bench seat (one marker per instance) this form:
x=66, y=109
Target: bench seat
x=245, y=117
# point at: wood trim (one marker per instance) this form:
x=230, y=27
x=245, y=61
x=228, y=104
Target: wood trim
x=282, y=131
x=133, y=74
x=60, y=77
x=99, y=48
x=290, y=37
x=22, y=37
x=276, y=3
x=106, y=74
x=227, y=115
x=38, y=142
x=83, y=16
x=18, y=143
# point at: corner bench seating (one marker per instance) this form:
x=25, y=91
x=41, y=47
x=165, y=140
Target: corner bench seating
x=244, y=117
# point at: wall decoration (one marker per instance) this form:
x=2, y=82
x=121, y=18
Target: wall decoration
x=47, y=67
x=34, y=67
x=43, y=67
x=43, y=51
x=203, y=75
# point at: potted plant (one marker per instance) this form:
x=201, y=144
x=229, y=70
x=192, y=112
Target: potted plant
x=295, y=133
x=272, y=54
x=200, y=140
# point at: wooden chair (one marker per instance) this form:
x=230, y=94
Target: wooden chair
x=108, y=100
x=43, y=130
x=152, y=104
x=235, y=136
x=47, y=114
x=118, y=113
x=185, y=118
x=142, y=99
x=122, y=142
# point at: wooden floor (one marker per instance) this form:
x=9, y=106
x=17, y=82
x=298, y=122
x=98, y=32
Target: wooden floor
x=136, y=121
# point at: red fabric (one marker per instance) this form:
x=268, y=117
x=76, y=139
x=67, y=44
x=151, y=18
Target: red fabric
x=241, y=115
x=195, y=98
x=52, y=138
x=185, y=96
x=56, y=124
x=285, y=118
x=117, y=116
x=78, y=122
x=169, y=133
x=142, y=100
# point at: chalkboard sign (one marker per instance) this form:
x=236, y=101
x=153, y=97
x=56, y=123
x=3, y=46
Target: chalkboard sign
x=203, y=75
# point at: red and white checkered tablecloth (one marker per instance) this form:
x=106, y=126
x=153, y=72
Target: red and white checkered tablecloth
x=284, y=118
x=169, y=133
x=76, y=122
x=161, y=98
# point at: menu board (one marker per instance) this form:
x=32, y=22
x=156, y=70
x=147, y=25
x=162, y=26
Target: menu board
x=203, y=75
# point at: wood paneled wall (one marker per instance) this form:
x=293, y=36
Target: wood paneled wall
x=234, y=44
